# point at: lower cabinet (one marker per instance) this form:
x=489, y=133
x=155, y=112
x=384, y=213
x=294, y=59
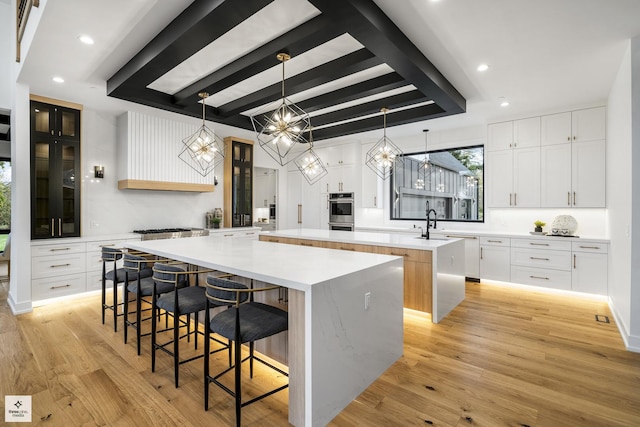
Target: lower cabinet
x=544, y=263
x=495, y=258
x=67, y=268
x=590, y=268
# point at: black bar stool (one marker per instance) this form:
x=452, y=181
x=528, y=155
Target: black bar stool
x=246, y=321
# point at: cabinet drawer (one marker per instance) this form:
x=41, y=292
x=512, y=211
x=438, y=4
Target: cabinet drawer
x=541, y=277
x=495, y=241
x=62, y=248
x=97, y=246
x=408, y=254
x=556, y=245
x=56, y=265
x=601, y=248
x=57, y=286
x=557, y=260
x=94, y=281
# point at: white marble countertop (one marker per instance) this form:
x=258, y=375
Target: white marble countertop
x=362, y=237
x=295, y=267
x=480, y=233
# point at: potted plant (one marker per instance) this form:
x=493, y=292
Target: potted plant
x=216, y=222
x=539, y=225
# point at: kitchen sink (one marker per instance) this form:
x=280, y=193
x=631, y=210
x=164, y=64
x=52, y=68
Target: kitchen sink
x=431, y=238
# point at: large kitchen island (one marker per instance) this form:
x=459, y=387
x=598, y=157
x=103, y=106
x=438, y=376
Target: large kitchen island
x=434, y=279
x=337, y=344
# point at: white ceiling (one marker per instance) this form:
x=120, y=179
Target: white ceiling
x=544, y=55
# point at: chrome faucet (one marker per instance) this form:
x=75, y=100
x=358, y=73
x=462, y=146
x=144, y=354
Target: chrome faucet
x=425, y=233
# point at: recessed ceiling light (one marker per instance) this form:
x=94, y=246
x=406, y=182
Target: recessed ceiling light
x=58, y=79
x=504, y=103
x=483, y=67
x=86, y=39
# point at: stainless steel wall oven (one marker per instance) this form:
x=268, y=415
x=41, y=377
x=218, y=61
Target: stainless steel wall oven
x=341, y=211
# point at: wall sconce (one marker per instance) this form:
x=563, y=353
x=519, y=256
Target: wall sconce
x=98, y=171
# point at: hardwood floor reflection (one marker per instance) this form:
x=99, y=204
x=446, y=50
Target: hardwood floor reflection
x=504, y=357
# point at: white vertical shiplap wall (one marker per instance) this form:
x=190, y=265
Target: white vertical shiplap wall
x=151, y=148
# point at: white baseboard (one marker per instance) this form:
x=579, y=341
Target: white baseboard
x=632, y=343
x=22, y=308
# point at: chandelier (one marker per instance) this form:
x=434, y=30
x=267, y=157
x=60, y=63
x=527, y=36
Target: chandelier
x=280, y=130
x=202, y=150
x=384, y=154
x=310, y=165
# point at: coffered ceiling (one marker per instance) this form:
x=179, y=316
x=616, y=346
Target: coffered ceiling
x=348, y=60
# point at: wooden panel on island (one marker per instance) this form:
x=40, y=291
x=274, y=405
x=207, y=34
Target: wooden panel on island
x=418, y=269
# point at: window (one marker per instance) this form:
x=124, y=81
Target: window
x=5, y=201
x=452, y=184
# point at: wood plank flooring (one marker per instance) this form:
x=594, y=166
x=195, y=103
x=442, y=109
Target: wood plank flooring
x=504, y=357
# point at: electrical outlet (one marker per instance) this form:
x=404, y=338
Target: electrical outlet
x=367, y=300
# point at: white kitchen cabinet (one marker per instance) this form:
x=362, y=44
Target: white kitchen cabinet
x=371, y=194
x=589, y=268
x=499, y=136
x=555, y=176
x=514, y=134
x=342, y=169
x=339, y=179
x=302, y=204
x=513, y=178
x=495, y=258
x=573, y=175
x=573, y=126
x=588, y=174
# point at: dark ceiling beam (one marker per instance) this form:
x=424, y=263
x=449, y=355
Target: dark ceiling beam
x=352, y=63
x=374, y=30
x=198, y=25
x=371, y=107
x=307, y=36
x=398, y=118
x=360, y=90
x=160, y=100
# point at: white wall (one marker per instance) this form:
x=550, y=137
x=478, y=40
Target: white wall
x=619, y=194
x=634, y=339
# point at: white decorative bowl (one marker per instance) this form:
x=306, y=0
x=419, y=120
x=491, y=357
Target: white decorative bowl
x=564, y=225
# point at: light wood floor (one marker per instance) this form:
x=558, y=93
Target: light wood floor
x=504, y=357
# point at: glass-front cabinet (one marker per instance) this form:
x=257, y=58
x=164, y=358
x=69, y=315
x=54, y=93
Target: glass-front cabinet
x=55, y=171
x=238, y=182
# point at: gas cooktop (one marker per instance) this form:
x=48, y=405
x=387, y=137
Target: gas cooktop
x=171, y=233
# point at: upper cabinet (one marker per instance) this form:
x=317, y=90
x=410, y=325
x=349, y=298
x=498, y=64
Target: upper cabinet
x=514, y=134
x=556, y=161
x=55, y=171
x=55, y=121
x=342, y=173
x=573, y=126
x=238, y=182
x=513, y=164
x=573, y=159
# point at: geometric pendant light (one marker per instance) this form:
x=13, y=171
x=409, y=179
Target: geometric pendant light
x=203, y=150
x=383, y=156
x=279, y=131
x=310, y=165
